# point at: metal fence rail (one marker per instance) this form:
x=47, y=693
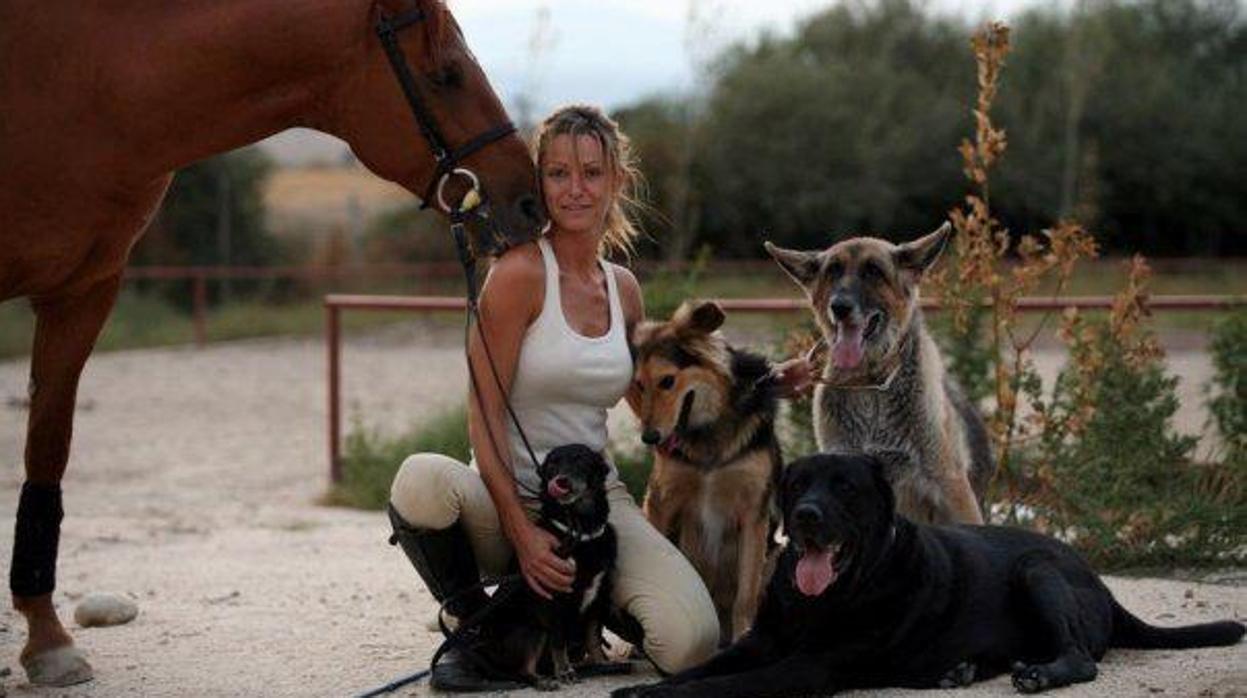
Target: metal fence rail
x=335, y=304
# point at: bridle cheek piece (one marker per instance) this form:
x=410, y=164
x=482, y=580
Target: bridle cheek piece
x=448, y=160
x=473, y=204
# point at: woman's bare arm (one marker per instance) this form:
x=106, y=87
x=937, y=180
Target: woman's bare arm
x=511, y=300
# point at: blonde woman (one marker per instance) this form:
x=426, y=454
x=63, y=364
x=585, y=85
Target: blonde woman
x=556, y=317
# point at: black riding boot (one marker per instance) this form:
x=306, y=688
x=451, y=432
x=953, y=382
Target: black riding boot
x=444, y=559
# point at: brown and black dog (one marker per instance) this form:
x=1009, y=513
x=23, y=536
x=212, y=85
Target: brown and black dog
x=708, y=409
x=884, y=386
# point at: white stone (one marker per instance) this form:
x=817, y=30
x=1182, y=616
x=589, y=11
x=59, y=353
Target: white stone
x=105, y=609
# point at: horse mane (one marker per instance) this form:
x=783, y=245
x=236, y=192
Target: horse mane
x=436, y=28
x=437, y=23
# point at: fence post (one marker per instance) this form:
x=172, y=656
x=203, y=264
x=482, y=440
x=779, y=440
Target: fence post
x=332, y=332
x=200, y=311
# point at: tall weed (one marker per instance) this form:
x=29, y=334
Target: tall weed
x=1094, y=458
x=370, y=459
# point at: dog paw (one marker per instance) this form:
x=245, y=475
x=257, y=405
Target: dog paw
x=959, y=676
x=1029, y=679
x=635, y=691
x=546, y=683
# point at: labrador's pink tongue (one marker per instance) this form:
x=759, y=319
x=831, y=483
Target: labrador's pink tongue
x=815, y=572
x=847, y=351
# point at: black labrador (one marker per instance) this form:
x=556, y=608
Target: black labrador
x=863, y=598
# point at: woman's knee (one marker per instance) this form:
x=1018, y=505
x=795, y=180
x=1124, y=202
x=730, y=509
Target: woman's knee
x=426, y=490
x=679, y=636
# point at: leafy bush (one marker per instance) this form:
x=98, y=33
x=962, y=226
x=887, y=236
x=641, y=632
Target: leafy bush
x=1228, y=392
x=967, y=352
x=634, y=465
x=370, y=459
x=1094, y=459
x=1108, y=472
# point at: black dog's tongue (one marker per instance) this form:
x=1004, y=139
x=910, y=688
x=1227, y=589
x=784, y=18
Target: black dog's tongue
x=815, y=571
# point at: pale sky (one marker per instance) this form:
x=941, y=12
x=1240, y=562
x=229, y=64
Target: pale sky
x=614, y=52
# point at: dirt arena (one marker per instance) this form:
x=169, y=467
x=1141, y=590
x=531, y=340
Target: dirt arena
x=192, y=489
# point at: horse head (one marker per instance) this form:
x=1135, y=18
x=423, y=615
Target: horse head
x=444, y=132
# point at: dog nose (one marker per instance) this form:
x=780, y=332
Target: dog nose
x=841, y=308
x=651, y=437
x=807, y=515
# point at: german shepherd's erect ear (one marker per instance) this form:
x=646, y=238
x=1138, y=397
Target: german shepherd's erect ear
x=802, y=266
x=918, y=256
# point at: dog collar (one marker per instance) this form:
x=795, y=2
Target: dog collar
x=578, y=537
x=878, y=387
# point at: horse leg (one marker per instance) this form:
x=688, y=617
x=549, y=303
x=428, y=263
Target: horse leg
x=65, y=333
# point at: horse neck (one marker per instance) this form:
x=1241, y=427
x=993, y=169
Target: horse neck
x=228, y=73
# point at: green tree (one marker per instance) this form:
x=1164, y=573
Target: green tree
x=213, y=215
x=1124, y=115
x=848, y=127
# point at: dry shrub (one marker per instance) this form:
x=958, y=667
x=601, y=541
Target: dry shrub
x=1094, y=457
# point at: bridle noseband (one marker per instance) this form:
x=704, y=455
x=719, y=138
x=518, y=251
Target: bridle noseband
x=448, y=160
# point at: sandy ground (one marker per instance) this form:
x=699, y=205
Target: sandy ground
x=192, y=489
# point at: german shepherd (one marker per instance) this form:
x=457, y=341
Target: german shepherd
x=863, y=598
x=708, y=409
x=885, y=387
x=527, y=633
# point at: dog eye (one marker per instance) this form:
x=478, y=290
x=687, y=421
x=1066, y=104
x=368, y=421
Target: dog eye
x=667, y=383
x=870, y=270
x=836, y=268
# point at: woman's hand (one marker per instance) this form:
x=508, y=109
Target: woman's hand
x=794, y=377
x=541, y=566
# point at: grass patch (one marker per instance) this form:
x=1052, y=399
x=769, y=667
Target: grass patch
x=370, y=459
x=143, y=320
x=634, y=466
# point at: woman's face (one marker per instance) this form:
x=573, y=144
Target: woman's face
x=577, y=183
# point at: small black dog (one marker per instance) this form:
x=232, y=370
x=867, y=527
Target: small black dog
x=525, y=629
x=863, y=598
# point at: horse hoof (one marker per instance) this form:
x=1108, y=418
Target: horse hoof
x=63, y=666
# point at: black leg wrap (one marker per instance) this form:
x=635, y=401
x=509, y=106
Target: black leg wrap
x=35, y=542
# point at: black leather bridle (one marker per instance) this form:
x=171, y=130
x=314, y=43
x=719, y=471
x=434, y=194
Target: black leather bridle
x=448, y=166
x=448, y=159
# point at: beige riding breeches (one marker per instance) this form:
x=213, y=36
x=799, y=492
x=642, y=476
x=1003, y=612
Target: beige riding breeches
x=654, y=582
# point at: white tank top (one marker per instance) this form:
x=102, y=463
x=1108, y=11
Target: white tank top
x=564, y=381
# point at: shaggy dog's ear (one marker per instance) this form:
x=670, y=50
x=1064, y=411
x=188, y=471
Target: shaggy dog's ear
x=644, y=333
x=702, y=318
x=801, y=266
x=919, y=255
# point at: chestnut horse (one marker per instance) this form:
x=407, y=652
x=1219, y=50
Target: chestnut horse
x=101, y=101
